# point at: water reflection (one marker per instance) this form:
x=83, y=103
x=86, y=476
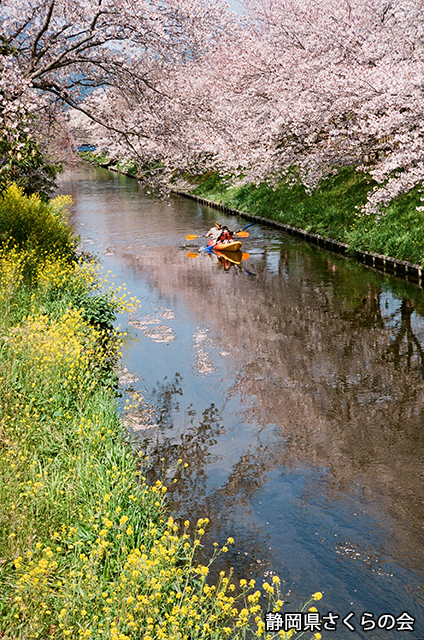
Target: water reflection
x=296, y=397
x=333, y=361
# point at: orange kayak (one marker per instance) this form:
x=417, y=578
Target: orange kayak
x=228, y=246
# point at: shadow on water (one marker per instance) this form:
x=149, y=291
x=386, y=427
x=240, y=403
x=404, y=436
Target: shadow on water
x=295, y=396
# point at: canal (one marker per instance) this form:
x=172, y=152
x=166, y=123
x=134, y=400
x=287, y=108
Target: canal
x=292, y=386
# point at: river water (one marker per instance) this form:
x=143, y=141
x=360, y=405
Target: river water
x=291, y=384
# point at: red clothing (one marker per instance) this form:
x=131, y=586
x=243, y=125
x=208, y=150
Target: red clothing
x=225, y=236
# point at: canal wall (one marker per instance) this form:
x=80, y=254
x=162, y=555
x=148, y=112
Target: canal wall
x=384, y=264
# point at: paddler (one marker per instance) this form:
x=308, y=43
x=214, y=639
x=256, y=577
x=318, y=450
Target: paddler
x=214, y=232
x=225, y=236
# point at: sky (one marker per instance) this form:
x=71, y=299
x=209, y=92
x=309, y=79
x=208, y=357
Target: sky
x=234, y=6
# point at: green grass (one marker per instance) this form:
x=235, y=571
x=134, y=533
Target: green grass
x=95, y=157
x=331, y=210
x=129, y=167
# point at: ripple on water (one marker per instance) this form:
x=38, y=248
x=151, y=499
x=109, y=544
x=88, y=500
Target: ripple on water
x=152, y=326
x=201, y=342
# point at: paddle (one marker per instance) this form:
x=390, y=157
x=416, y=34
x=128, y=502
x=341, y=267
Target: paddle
x=241, y=233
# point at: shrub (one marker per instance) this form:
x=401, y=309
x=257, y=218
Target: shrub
x=22, y=160
x=35, y=228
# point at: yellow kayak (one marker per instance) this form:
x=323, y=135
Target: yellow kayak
x=228, y=246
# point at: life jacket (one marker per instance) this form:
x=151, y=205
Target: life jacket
x=225, y=235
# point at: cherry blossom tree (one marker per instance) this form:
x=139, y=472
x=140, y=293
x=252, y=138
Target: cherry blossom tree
x=293, y=87
x=299, y=84
x=321, y=85
x=64, y=50
x=68, y=48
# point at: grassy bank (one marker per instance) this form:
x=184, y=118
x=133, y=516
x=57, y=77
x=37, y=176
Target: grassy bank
x=126, y=167
x=87, y=548
x=332, y=210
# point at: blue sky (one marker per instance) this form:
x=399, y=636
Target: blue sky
x=235, y=6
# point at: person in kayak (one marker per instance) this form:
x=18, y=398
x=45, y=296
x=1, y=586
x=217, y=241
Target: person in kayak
x=225, y=236
x=214, y=232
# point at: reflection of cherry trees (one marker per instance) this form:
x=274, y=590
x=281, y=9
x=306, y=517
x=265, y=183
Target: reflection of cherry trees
x=192, y=444
x=413, y=345
x=405, y=348
x=317, y=357
x=310, y=354
x=189, y=496
x=369, y=311
x=165, y=398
